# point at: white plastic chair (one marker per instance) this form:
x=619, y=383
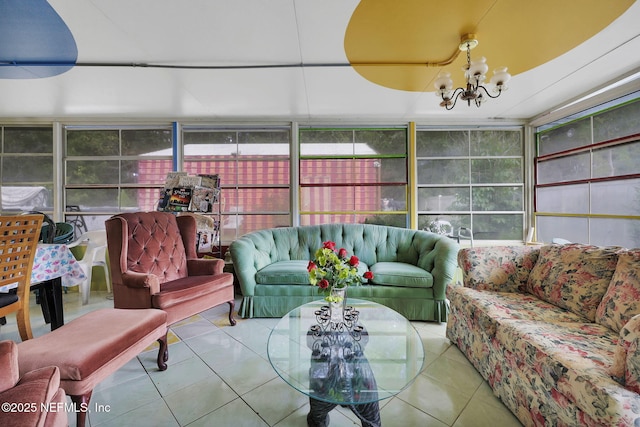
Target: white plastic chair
x=94, y=255
x=465, y=233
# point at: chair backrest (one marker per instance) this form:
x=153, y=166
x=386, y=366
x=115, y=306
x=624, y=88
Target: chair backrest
x=63, y=233
x=150, y=242
x=18, y=241
x=53, y=232
x=46, y=235
x=96, y=244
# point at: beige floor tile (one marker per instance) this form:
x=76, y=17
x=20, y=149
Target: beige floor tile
x=250, y=373
x=235, y=413
x=123, y=398
x=443, y=402
x=398, y=413
x=456, y=374
x=152, y=414
x=180, y=375
x=478, y=414
x=193, y=328
x=261, y=400
x=199, y=399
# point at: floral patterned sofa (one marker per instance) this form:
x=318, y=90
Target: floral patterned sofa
x=555, y=330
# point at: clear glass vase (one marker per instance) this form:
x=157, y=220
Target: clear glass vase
x=337, y=304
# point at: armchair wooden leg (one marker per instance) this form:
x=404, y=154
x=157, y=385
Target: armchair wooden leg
x=163, y=353
x=82, y=406
x=232, y=305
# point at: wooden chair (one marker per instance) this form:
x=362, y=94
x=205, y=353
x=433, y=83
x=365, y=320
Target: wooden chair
x=18, y=241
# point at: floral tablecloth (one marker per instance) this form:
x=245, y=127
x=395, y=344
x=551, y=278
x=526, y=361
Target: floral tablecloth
x=51, y=261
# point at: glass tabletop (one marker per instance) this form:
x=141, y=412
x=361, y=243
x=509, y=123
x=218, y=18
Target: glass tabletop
x=372, y=360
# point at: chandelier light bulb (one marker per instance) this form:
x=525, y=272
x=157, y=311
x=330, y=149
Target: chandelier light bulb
x=478, y=68
x=443, y=83
x=500, y=78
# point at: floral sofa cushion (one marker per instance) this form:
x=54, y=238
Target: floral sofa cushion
x=574, y=277
x=501, y=269
x=626, y=362
x=487, y=309
x=622, y=300
x=572, y=360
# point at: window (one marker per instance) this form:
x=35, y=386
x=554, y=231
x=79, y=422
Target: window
x=472, y=179
x=588, y=184
x=254, y=170
x=114, y=169
x=353, y=176
x=26, y=168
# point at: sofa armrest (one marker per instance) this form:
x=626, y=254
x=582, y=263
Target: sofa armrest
x=497, y=268
x=626, y=360
x=9, y=362
x=444, y=266
x=26, y=396
x=205, y=266
x=134, y=279
x=243, y=253
x=32, y=396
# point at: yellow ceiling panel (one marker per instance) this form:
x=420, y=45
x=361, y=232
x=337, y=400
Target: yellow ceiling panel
x=390, y=43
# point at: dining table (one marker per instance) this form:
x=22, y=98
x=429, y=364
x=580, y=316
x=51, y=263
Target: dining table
x=54, y=267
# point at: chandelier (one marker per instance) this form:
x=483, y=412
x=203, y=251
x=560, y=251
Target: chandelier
x=474, y=73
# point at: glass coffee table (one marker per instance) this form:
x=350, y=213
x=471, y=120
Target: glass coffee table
x=355, y=364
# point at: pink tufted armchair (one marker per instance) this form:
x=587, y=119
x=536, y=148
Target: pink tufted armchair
x=35, y=399
x=154, y=265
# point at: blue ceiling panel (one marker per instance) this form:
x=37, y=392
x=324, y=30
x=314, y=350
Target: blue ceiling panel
x=34, y=41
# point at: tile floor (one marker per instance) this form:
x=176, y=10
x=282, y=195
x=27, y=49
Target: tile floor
x=219, y=375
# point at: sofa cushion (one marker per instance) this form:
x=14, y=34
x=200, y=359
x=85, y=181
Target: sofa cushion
x=626, y=361
x=573, y=276
x=293, y=272
x=622, y=300
x=497, y=268
x=485, y=310
x=400, y=274
x=284, y=273
x=572, y=361
x=188, y=288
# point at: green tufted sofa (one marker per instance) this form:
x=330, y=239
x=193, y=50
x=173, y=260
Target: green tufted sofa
x=411, y=268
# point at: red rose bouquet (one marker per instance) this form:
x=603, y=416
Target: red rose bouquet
x=335, y=269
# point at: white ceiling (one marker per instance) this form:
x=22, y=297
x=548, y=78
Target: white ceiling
x=274, y=32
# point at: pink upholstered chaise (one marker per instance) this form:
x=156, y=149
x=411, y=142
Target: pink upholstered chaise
x=92, y=347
